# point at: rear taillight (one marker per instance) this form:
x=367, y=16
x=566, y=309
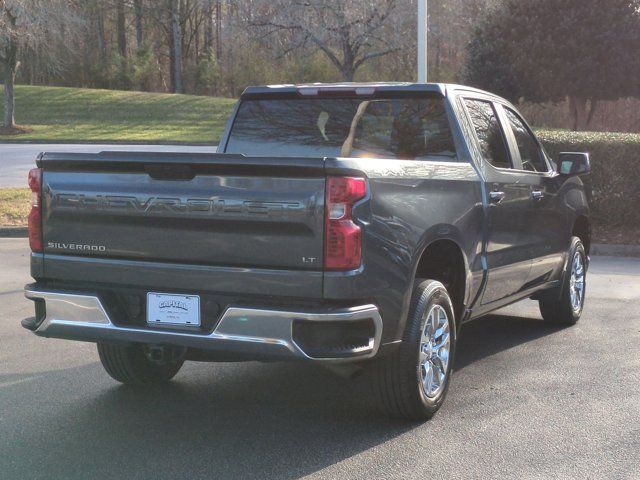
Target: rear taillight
x=35, y=216
x=343, y=238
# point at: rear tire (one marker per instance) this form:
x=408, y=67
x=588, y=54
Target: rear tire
x=412, y=382
x=130, y=364
x=563, y=305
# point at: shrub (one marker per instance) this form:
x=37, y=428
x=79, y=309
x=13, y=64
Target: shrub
x=144, y=67
x=615, y=160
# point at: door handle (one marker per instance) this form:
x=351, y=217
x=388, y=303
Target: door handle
x=537, y=194
x=496, y=197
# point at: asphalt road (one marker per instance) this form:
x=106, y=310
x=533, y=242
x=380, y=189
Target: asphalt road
x=527, y=401
x=16, y=159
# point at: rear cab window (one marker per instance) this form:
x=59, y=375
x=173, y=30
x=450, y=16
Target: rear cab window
x=407, y=128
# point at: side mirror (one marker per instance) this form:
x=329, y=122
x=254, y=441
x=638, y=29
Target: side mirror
x=573, y=163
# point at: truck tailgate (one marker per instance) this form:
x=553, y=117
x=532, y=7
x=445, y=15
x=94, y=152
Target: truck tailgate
x=201, y=209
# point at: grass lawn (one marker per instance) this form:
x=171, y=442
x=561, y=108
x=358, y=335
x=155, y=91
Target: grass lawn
x=15, y=204
x=79, y=114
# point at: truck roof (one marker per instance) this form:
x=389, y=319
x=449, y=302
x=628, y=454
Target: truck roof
x=363, y=88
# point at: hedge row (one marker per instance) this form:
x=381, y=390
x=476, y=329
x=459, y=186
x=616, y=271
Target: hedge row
x=615, y=166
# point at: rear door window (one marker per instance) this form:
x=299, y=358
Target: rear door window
x=400, y=128
x=492, y=142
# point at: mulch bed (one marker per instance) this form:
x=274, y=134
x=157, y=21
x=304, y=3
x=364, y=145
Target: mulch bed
x=616, y=235
x=15, y=130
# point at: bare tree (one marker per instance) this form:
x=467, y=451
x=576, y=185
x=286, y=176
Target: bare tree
x=9, y=59
x=176, y=47
x=138, y=11
x=348, y=33
x=28, y=24
x=102, y=42
x=208, y=26
x=225, y=45
x=121, y=30
x=218, y=28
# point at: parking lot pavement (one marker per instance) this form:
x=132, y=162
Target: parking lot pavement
x=527, y=401
x=16, y=159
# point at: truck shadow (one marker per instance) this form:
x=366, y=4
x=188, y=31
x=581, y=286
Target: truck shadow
x=496, y=333
x=245, y=421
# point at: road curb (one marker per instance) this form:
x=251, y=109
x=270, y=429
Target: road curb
x=13, y=232
x=615, y=250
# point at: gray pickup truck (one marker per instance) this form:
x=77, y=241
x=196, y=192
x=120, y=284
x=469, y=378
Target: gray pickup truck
x=356, y=225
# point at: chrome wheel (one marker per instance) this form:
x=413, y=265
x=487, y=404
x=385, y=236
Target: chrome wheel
x=576, y=282
x=433, y=357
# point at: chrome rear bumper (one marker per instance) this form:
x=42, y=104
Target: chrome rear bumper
x=249, y=331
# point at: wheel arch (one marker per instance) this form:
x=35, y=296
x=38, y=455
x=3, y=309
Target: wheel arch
x=443, y=259
x=582, y=229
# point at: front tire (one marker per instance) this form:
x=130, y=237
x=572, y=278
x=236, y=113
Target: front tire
x=563, y=305
x=130, y=364
x=412, y=382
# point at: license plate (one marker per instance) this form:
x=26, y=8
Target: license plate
x=170, y=309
